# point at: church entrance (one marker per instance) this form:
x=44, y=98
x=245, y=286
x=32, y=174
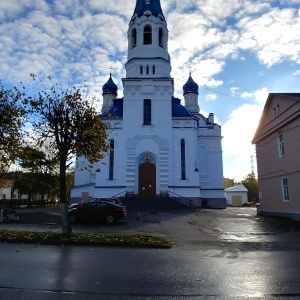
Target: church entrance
x=147, y=179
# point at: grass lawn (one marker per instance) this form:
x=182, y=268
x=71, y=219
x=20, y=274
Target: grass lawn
x=95, y=239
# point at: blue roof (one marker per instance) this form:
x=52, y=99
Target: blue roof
x=179, y=110
x=110, y=87
x=151, y=5
x=190, y=86
x=114, y=111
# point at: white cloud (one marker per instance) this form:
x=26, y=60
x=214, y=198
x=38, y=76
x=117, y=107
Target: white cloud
x=260, y=96
x=273, y=36
x=296, y=73
x=211, y=97
x=238, y=132
x=234, y=90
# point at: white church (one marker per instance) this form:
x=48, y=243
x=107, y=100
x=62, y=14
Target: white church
x=159, y=144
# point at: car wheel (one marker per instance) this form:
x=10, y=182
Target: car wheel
x=73, y=218
x=110, y=219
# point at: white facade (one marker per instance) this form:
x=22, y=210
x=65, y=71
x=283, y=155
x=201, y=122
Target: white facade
x=159, y=145
x=5, y=194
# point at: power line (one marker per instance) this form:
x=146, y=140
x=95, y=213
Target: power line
x=107, y=54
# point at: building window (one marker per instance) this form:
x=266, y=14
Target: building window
x=141, y=70
x=111, y=160
x=147, y=112
x=281, y=145
x=133, y=38
x=161, y=37
x=276, y=111
x=183, y=166
x=147, y=70
x=153, y=70
x=285, y=189
x=147, y=35
x=4, y=196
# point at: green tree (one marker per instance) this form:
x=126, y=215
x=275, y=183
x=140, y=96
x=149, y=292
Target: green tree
x=12, y=118
x=72, y=125
x=35, y=163
x=26, y=184
x=251, y=184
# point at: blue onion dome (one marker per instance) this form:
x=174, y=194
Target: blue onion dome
x=147, y=7
x=190, y=86
x=110, y=87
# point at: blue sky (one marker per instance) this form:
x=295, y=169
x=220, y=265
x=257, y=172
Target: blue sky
x=238, y=52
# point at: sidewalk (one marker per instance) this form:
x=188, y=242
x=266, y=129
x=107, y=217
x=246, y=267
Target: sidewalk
x=197, y=228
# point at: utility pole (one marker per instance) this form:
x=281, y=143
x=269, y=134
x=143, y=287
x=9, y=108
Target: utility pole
x=252, y=165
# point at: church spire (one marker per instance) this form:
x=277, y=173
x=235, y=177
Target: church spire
x=146, y=7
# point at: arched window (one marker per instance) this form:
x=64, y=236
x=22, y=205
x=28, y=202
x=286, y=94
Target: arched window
x=133, y=38
x=153, y=70
x=147, y=35
x=147, y=70
x=141, y=70
x=111, y=160
x=161, y=37
x=183, y=166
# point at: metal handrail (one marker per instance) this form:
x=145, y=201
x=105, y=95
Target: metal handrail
x=120, y=194
x=182, y=200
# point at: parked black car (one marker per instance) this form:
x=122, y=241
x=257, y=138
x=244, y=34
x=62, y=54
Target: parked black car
x=97, y=210
x=112, y=199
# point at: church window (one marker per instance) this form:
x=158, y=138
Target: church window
x=147, y=70
x=153, y=70
x=141, y=70
x=133, y=38
x=111, y=159
x=183, y=166
x=147, y=112
x=147, y=35
x=161, y=37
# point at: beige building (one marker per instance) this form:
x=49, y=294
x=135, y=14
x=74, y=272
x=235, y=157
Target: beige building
x=277, y=141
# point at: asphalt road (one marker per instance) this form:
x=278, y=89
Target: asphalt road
x=218, y=254
x=54, y=272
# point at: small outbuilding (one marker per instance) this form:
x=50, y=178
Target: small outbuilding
x=236, y=195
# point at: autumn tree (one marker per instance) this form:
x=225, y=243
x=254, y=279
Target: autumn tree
x=68, y=120
x=251, y=184
x=12, y=118
x=70, y=181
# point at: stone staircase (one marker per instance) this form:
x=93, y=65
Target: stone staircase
x=153, y=204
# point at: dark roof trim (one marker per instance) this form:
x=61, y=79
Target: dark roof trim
x=144, y=58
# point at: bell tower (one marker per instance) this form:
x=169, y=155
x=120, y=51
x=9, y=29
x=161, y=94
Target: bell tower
x=147, y=35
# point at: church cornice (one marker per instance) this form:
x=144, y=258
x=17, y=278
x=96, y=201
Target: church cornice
x=147, y=59
x=139, y=79
x=151, y=18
